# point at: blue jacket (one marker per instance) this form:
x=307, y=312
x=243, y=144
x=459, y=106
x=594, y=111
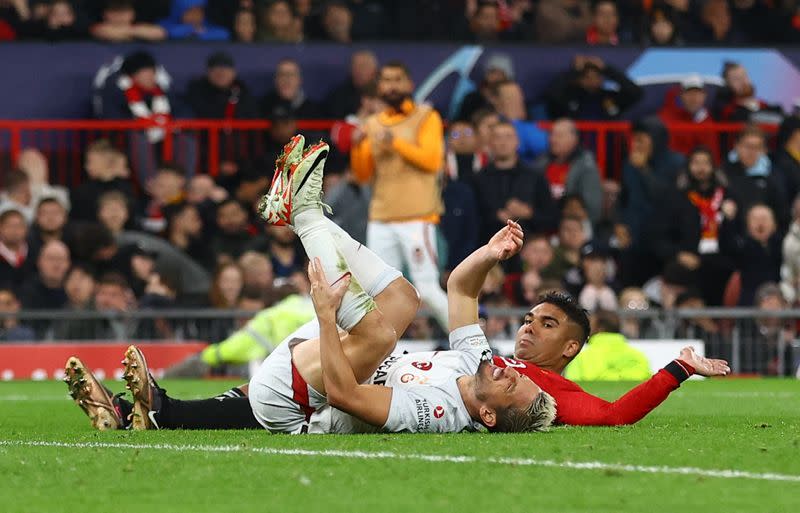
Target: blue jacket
x=532, y=140
x=176, y=29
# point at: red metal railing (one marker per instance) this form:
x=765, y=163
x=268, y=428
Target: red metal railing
x=64, y=141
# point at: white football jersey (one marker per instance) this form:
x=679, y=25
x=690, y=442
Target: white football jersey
x=425, y=395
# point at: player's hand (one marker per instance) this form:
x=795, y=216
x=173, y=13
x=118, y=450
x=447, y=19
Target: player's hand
x=507, y=242
x=702, y=365
x=326, y=298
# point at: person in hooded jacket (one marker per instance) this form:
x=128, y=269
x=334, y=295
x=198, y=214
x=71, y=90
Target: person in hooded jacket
x=750, y=176
x=187, y=20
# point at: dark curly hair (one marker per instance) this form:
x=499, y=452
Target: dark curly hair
x=567, y=304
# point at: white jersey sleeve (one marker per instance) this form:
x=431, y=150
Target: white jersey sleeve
x=471, y=340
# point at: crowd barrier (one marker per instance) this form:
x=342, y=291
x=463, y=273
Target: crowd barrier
x=753, y=341
x=64, y=141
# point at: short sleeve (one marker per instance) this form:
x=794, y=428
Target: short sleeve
x=471, y=340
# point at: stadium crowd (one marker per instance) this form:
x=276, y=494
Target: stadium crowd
x=689, y=219
x=602, y=22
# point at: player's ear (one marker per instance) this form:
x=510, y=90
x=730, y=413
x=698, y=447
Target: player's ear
x=571, y=348
x=488, y=416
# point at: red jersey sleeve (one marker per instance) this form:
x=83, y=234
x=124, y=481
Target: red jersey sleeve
x=576, y=407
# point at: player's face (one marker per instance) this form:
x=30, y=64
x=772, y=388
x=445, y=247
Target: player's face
x=545, y=335
x=502, y=388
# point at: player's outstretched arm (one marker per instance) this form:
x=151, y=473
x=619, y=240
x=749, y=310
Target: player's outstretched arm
x=369, y=403
x=466, y=280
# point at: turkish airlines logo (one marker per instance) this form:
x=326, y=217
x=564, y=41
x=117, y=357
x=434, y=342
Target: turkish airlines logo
x=423, y=366
x=438, y=412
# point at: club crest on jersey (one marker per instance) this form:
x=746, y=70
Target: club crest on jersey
x=438, y=412
x=423, y=366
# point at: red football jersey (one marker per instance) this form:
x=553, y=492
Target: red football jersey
x=575, y=406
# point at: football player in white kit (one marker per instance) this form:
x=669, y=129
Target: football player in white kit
x=346, y=381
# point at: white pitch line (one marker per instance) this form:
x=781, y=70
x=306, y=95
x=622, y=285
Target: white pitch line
x=436, y=458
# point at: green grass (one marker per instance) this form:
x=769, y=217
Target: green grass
x=744, y=425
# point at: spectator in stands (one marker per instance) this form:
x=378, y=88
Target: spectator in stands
x=463, y=160
x=570, y=169
x=137, y=92
x=46, y=289
x=537, y=253
x=13, y=13
x=648, y=176
x=187, y=20
x=662, y=26
x=484, y=121
x=756, y=251
x=509, y=189
x=286, y=252
x=769, y=334
x=232, y=234
x=687, y=104
x=279, y=23
x=461, y=218
x=226, y=287
x=288, y=93
x=580, y=92
x=59, y=24
x=686, y=226
x=634, y=299
x=604, y=29
x=10, y=328
x=113, y=212
x=485, y=25
x=716, y=25
x=497, y=68
x=737, y=101
x=345, y=99
x=596, y=294
x=49, y=222
x=337, y=22
x=18, y=193
x=510, y=104
x=571, y=205
x=167, y=187
x=562, y=21
x=257, y=271
x=119, y=24
x=401, y=152
x=34, y=164
x=244, y=26
x=185, y=232
x=16, y=264
x=567, y=254
x=786, y=158
x=750, y=178
x=607, y=356
x=221, y=95
x=113, y=295
x=79, y=286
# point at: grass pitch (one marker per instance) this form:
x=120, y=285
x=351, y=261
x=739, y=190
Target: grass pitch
x=720, y=445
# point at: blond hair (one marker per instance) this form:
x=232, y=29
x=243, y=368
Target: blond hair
x=538, y=416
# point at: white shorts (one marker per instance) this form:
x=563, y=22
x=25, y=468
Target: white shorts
x=409, y=245
x=283, y=402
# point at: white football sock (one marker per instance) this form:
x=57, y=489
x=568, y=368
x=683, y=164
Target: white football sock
x=318, y=242
x=371, y=271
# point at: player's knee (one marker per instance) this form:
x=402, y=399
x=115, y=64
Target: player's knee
x=385, y=336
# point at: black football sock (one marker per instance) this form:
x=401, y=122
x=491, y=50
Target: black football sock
x=221, y=412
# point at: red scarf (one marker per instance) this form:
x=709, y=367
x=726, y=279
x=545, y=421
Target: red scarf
x=709, y=212
x=158, y=111
x=593, y=37
x=556, y=174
